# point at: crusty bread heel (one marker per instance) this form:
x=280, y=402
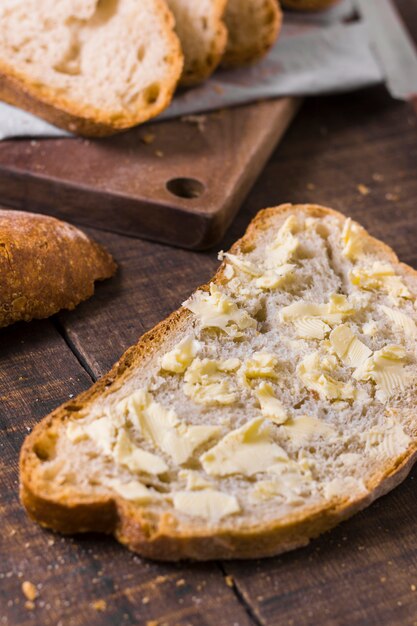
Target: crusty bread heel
x=253, y=27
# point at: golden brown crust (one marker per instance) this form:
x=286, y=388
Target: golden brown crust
x=45, y=265
x=195, y=72
x=159, y=537
x=77, y=117
x=245, y=50
x=308, y=5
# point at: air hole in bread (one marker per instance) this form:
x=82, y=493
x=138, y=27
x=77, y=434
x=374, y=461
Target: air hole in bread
x=322, y=230
x=270, y=18
x=94, y=482
x=45, y=447
x=105, y=10
x=73, y=408
x=299, y=404
x=140, y=53
x=70, y=63
x=261, y=313
x=151, y=93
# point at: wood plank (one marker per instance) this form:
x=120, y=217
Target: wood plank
x=334, y=146
x=183, y=188
x=38, y=372
x=363, y=572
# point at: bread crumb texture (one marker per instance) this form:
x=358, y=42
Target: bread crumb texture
x=99, y=605
x=29, y=591
x=280, y=399
x=202, y=32
x=91, y=65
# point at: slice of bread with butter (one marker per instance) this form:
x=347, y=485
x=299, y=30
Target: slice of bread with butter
x=278, y=401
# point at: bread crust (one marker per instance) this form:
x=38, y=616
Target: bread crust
x=45, y=265
x=248, y=50
x=19, y=90
x=195, y=72
x=158, y=537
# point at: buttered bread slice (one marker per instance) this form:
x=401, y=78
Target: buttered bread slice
x=280, y=399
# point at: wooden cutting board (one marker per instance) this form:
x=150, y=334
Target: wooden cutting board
x=179, y=182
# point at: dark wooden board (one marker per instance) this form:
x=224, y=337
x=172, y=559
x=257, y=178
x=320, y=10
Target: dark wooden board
x=183, y=188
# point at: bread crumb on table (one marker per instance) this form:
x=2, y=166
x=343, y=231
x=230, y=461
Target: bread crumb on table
x=99, y=605
x=159, y=153
x=180, y=582
x=229, y=581
x=392, y=197
x=148, y=138
x=363, y=189
x=198, y=120
x=161, y=579
x=29, y=590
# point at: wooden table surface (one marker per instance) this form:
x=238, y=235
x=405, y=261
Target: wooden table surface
x=356, y=153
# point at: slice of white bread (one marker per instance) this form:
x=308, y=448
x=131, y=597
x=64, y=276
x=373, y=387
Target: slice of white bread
x=253, y=27
x=203, y=36
x=275, y=403
x=93, y=67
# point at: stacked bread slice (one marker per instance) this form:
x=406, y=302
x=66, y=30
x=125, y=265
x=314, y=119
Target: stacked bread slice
x=96, y=67
x=253, y=27
x=203, y=35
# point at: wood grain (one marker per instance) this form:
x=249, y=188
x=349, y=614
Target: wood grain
x=180, y=182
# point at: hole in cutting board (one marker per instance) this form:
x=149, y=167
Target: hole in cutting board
x=185, y=187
